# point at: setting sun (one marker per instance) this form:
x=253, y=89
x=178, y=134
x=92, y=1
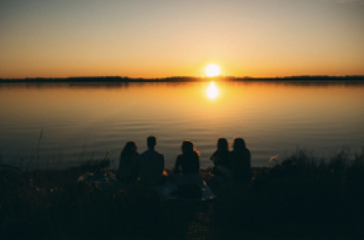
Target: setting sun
x=212, y=70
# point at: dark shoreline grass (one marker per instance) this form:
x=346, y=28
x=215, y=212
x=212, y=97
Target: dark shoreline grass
x=303, y=197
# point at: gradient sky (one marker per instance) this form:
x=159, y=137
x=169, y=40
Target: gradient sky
x=158, y=38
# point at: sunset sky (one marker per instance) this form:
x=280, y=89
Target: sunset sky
x=159, y=38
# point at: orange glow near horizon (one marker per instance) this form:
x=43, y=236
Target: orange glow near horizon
x=63, y=68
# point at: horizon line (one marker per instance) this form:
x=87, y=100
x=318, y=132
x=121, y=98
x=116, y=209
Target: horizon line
x=222, y=77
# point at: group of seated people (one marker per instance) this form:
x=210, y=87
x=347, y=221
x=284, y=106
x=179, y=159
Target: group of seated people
x=149, y=165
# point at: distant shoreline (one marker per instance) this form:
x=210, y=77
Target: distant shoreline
x=186, y=79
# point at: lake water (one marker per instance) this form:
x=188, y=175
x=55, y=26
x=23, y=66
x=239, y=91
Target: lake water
x=82, y=121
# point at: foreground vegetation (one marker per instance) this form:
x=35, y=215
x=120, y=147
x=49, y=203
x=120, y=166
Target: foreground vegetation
x=303, y=197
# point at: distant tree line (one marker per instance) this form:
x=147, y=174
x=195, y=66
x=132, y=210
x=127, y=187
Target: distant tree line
x=183, y=79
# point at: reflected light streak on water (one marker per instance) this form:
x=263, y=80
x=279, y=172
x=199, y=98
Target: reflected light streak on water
x=212, y=91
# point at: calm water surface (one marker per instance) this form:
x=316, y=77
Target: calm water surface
x=79, y=121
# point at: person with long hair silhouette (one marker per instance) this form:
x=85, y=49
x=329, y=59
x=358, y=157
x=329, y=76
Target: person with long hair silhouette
x=128, y=162
x=188, y=162
x=221, y=156
x=241, y=161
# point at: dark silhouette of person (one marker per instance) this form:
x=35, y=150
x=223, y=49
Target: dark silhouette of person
x=221, y=156
x=128, y=163
x=241, y=161
x=151, y=164
x=189, y=161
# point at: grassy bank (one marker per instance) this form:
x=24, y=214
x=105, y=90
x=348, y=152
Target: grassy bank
x=303, y=197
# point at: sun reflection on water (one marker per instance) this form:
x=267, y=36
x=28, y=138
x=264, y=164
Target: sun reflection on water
x=212, y=91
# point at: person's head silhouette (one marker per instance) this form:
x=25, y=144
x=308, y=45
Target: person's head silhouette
x=129, y=148
x=187, y=147
x=239, y=143
x=151, y=142
x=222, y=144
